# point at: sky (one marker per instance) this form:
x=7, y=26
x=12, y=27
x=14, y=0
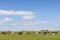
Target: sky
x=32, y=15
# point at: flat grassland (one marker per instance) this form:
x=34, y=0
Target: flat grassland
x=30, y=36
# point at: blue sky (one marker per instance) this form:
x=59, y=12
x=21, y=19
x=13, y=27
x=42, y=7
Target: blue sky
x=16, y=15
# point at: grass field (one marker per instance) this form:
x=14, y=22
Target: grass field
x=30, y=36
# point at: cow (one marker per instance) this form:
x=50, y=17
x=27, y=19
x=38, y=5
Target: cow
x=12, y=32
x=7, y=32
x=20, y=33
x=4, y=33
x=44, y=33
x=39, y=32
x=53, y=33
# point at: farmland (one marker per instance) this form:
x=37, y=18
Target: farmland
x=31, y=36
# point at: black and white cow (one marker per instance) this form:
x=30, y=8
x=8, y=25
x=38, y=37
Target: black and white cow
x=7, y=32
x=53, y=33
x=20, y=33
x=44, y=33
x=4, y=33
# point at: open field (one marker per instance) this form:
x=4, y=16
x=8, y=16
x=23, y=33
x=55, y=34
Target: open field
x=30, y=36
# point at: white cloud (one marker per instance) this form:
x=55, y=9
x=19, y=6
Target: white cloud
x=28, y=17
x=5, y=20
x=30, y=23
x=23, y=14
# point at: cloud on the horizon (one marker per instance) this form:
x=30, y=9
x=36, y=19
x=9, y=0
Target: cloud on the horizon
x=27, y=15
x=48, y=24
x=44, y=24
x=29, y=24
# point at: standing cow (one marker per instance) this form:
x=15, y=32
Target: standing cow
x=53, y=33
x=4, y=33
x=21, y=33
x=7, y=32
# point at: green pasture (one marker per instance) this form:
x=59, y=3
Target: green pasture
x=31, y=36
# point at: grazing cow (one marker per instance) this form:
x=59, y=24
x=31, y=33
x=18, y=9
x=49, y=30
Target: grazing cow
x=12, y=32
x=7, y=32
x=53, y=33
x=23, y=32
x=20, y=33
x=44, y=33
x=39, y=32
x=4, y=33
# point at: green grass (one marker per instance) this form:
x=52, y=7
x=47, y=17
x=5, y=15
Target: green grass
x=30, y=36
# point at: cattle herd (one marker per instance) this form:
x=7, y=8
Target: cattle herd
x=28, y=32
